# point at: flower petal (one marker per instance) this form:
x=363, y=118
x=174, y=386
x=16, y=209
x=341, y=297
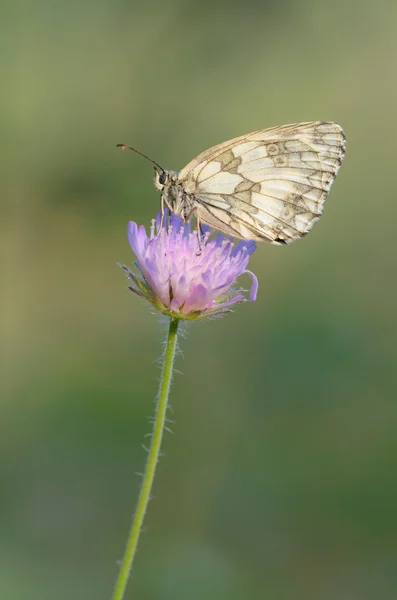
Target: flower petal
x=197, y=298
x=254, y=286
x=137, y=238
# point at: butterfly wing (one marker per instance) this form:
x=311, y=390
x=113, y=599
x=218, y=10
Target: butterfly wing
x=268, y=185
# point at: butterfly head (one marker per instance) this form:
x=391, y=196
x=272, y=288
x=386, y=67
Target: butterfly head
x=163, y=179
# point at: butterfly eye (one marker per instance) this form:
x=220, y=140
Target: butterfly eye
x=163, y=177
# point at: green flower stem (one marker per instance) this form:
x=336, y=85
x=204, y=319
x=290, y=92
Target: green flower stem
x=157, y=436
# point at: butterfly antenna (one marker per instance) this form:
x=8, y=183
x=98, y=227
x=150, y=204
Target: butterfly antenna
x=124, y=146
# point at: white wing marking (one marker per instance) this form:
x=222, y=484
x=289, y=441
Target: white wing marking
x=210, y=169
x=222, y=183
x=245, y=147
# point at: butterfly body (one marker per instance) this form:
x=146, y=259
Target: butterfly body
x=174, y=195
x=269, y=185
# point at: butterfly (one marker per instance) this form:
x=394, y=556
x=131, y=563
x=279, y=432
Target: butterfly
x=269, y=185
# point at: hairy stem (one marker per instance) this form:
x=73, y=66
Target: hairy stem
x=147, y=483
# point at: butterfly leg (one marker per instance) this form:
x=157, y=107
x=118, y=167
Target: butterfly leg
x=162, y=213
x=187, y=218
x=199, y=234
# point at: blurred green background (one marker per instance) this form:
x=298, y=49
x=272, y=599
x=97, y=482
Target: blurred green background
x=279, y=481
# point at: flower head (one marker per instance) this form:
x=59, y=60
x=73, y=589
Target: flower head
x=181, y=281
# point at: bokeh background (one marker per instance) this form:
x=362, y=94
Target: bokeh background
x=280, y=479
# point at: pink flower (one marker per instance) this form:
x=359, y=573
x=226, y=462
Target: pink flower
x=177, y=279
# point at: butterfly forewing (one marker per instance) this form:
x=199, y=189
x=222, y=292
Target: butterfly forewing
x=267, y=185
